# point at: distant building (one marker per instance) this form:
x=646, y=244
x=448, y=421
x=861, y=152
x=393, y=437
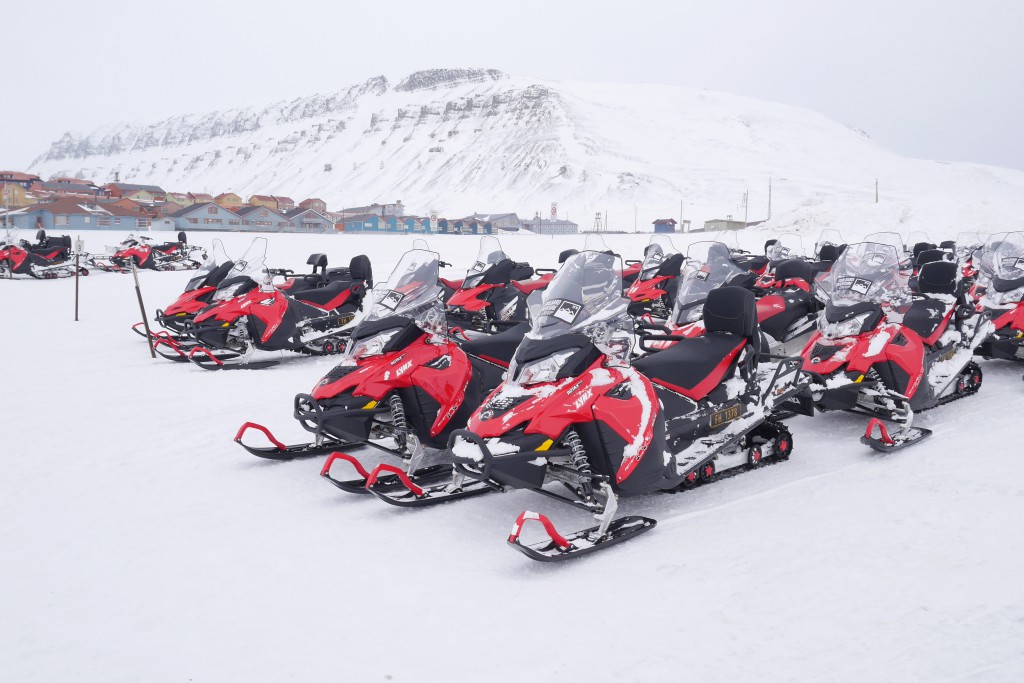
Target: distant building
x=142, y=193
x=263, y=219
x=415, y=224
x=665, y=225
x=309, y=220
x=200, y=198
x=315, y=204
x=229, y=200
x=548, y=226
x=382, y=210
x=61, y=187
x=15, y=196
x=263, y=200
x=727, y=223
x=205, y=216
x=25, y=180
x=179, y=198
x=73, y=213
x=500, y=221
x=284, y=204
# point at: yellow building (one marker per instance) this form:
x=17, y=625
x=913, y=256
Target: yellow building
x=15, y=196
x=229, y=200
x=263, y=200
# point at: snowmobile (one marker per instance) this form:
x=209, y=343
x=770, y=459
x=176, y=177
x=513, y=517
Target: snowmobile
x=49, y=258
x=149, y=255
x=248, y=314
x=575, y=421
x=1003, y=298
x=493, y=294
x=653, y=292
x=886, y=352
x=829, y=245
x=786, y=308
x=402, y=380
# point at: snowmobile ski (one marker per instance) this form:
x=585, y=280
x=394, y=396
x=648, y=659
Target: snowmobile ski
x=411, y=493
x=385, y=483
x=280, y=451
x=578, y=543
x=886, y=442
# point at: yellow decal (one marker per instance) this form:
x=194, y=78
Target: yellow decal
x=546, y=445
x=371, y=404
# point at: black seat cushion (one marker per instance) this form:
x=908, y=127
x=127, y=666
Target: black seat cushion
x=694, y=367
x=829, y=252
x=794, y=269
x=498, y=347
x=321, y=296
x=360, y=269
x=521, y=271
x=930, y=256
x=921, y=246
x=672, y=265
x=937, y=277
x=924, y=317
x=732, y=310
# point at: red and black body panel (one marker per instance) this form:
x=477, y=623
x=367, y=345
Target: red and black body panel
x=655, y=294
x=1007, y=343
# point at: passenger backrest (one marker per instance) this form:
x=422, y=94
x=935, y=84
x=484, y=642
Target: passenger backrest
x=937, y=277
x=360, y=269
x=795, y=268
x=829, y=252
x=318, y=261
x=566, y=254
x=732, y=310
x=921, y=246
x=948, y=245
x=930, y=256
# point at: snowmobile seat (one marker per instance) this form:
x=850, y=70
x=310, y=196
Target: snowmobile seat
x=566, y=254
x=794, y=269
x=948, y=245
x=497, y=348
x=499, y=273
x=672, y=265
x=928, y=317
x=217, y=275
x=322, y=296
x=921, y=246
x=694, y=367
x=521, y=271
x=182, y=237
x=937, y=277
x=829, y=252
x=1003, y=285
x=930, y=256
x=360, y=269
x=318, y=261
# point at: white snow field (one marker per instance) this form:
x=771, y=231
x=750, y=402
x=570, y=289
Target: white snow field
x=139, y=543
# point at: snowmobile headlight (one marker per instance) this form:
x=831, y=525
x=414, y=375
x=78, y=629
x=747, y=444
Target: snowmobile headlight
x=846, y=328
x=228, y=292
x=1000, y=299
x=543, y=370
x=372, y=346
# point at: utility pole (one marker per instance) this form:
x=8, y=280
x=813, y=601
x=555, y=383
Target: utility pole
x=746, y=207
x=769, y=198
x=876, y=190
x=634, y=218
x=680, y=215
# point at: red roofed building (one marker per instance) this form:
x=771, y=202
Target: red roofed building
x=314, y=203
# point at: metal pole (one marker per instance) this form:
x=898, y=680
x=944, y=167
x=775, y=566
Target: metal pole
x=76, y=287
x=769, y=198
x=142, y=308
x=876, y=190
x=746, y=207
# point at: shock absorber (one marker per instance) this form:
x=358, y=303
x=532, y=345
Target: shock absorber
x=398, y=420
x=580, y=462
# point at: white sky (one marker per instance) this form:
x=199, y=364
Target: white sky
x=941, y=79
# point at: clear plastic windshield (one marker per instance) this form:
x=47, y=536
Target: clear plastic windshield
x=421, y=244
x=828, y=236
x=657, y=252
x=490, y=253
x=967, y=243
x=985, y=258
x=894, y=240
x=868, y=271
x=585, y=293
x=594, y=242
x=1008, y=257
x=787, y=246
x=730, y=238
x=412, y=291
x=217, y=257
x=916, y=237
x=9, y=236
x=253, y=265
x=708, y=265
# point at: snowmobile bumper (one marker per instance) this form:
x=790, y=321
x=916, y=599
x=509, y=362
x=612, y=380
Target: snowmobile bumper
x=843, y=397
x=524, y=468
x=1002, y=347
x=349, y=424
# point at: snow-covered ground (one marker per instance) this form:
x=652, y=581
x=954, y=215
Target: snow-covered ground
x=139, y=543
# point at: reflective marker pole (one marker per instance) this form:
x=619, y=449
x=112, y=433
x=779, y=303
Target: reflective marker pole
x=142, y=308
x=78, y=252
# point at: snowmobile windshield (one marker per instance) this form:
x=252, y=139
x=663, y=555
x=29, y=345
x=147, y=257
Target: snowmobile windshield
x=708, y=265
x=252, y=265
x=868, y=272
x=985, y=258
x=915, y=237
x=585, y=294
x=828, y=236
x=489, y=254
x=894, y=240
x=787, y=246
x=659, y=250
x=10, y=236
x=1007, y=269
x=412, y=291
x=594, y=242
x=218, y=257
x=967, y=243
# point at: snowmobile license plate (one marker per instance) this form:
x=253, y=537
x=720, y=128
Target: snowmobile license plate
x=726, y=415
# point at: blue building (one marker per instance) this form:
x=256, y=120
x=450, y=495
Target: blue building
x=77, y=213
x=263, y=219
x=309, y=220
x=207, y=216
x=665, y=225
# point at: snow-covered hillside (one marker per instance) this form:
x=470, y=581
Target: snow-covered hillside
x=139, y=543
x=475, y=140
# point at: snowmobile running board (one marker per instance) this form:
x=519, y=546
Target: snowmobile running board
x=435, y=487
x=886, y=443
x=578, y=543
x=280, y=451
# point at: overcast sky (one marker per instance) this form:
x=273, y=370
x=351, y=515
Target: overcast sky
x=942, y=79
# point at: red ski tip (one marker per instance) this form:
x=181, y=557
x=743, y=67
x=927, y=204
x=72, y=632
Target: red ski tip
x=209, y=354
x=883, y=435
x=159, y=339
x=347, y=458
x=259, y=428
x=548, y=525
x=402, y=476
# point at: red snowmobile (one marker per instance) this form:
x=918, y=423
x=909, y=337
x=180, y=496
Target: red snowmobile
x=653, y=291
x=1002, y=263
x=47, y=259
x=576, y=422
x=403, y=384
x=887, y=352
x=149, y=255
x=493, y=294
x=248, y=314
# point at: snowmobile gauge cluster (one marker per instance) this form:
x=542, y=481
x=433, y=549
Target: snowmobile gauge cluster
x=601, y=379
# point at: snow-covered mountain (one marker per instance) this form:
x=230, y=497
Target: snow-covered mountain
x=464, y=140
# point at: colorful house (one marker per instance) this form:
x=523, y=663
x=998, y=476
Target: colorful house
x=179, y=198
x=665, y=225
x=141, y=193
x=18, y=178
x=309, y=220
x=263, y=219
x=205, y=216
x=229, y=200
x=415, y=224
x=15, y=196
x=200, y=198
x=284, y=203
x=315, y=204
x=263, y=200
x=72, y=213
